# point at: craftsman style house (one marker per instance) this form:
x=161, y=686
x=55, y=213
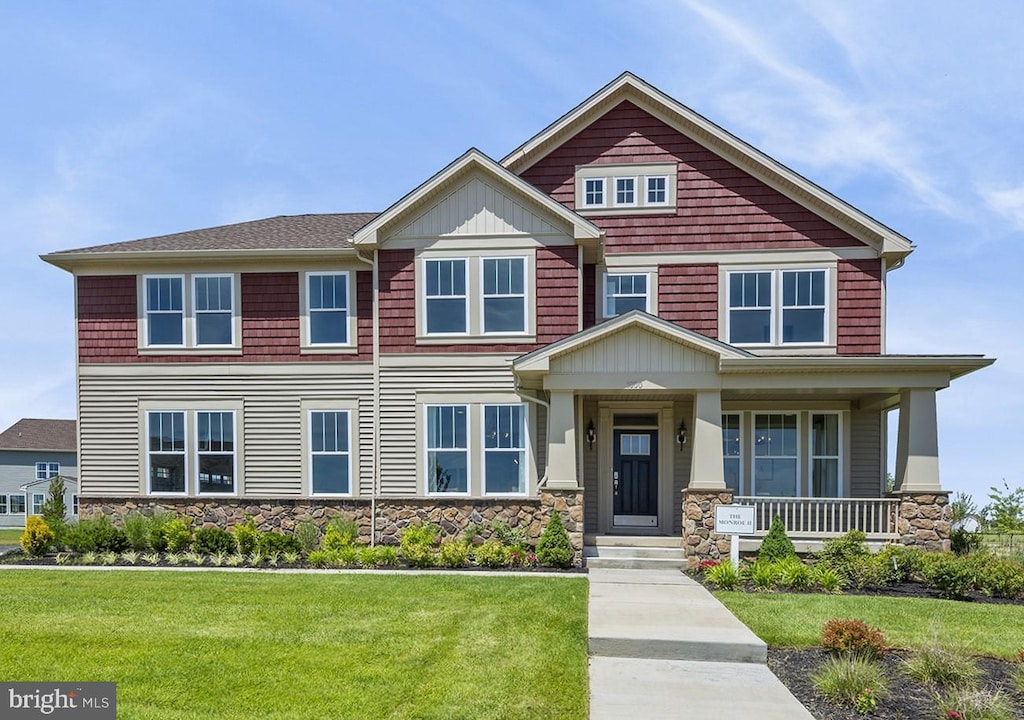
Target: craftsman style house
x=632, y=317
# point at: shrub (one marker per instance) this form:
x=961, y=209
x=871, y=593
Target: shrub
x=950, y=575
x=1017, y=677
x=492, y=554
x=763, y=575
x=845, y=555
x=38, y=536
x=999, y=577
x=513, y=537
x=178, y=533
x=941, y=667
x=308, y=535
x=974, y=704
x=246, y=536
x=964, y=542
x=828, y=579
x=387, y=555
x=776, y=545
x=320, y=558
x=795, y=575
x=896, y=564
x=274, y=542
x=554, y=548
x=723, y=576
x=853, y=637
x=341, y=533
x=157, y=525
x=95, y=535
x=210, y=541
x=842, y=680
x=454, y=554
x=417, y=544
x=54, y=511
x=136, y=529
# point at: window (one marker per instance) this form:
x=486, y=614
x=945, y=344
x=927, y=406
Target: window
x=447, y=449
x=45, y=471
x=165, y=311
x=3, y=504
x=625, y=191
x=504, y=449
x=504, y=295
x=37, y=503
x=166, y=447
x=327, y=303
x=17, y=504
x=330, y=463
x=825, y=455
x=74, y=505
x=213, y=305
x=638, y=444
x=625, y=292
x=732, y=451
x=216, y=452
x=446, y=296
x=593, y=192
x=768, y=307
x=775, y=455
x=657, y=190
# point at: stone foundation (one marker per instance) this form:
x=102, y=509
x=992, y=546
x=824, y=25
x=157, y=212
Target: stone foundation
x=453, y=515
x=924, y=520
x=700, y=541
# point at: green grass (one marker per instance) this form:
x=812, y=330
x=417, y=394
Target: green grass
x=10, y=536
x=792, y=620
x=251, y=645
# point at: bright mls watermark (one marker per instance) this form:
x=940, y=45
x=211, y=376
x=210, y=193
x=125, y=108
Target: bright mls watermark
x=81, y=701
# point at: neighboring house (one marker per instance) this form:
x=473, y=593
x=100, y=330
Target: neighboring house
x=31, y=452
x=631, y=318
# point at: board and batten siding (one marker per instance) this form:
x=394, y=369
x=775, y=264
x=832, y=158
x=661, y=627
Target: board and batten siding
x=636, y=351
x=270, y=430
x=866, y=454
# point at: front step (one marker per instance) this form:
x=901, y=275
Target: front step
x=633, y=553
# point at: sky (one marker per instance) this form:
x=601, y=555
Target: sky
x=124, y=120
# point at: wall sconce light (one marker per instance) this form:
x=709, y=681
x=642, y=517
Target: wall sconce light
x=681, y=434
x=591, y=434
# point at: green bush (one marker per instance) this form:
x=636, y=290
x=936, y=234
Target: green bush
x=308, y=535
x=852, y=637
x=156, y=526
x=950, y=575
x=763, y=575
x=964, y=542
x=95, y=535
x=794, y=574
x=896, y=564
x=847, y=555
x=136, y=529
x=723, y=576
x=776, y=545
x=512, y=537
x=453, y=554
x=340, y=533
x=38, y=536
x=387, y=555
x=246, y=536
x=842, y=680
x=178, y=533
x=975, y=704
x=417, y=544
x=999, y=577
x=941, y=667
x=54, y=511
x=828, y=579
x=275, y=543
x=492, y=554
x=554, y=548
x=210, y=541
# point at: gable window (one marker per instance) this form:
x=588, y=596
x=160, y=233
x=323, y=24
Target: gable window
x=447, y=447
x=327, y=303
x=625, y=191
x=446, y=296
x=17, y=504
x=165, y=311
x=166, y=450
x=216, y=452
x=37, y=503
x=732, y=451
x=624, y=292
x=657, y=190
x=504, y=450
x=593, y=192
x=504, y=295
x=825, y=471
x=330, y=463
x=777, y=307
x=775, y=455
x=47, y=470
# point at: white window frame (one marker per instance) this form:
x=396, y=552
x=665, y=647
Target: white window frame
x=308, y=310
x=148, y=469
x=348, y=453
x=3, y=504
x=197, y=313
x=10, y=503
x=649, y=295
x=811, y=457
x=647, y=191
x=603, y=182
x=776, y=307
x=467, y=450
x=47, y=470
x=823, y=307
x=739, y=458
x=199, y=453
x=464, y=297
x=190, y=329
x=144, y=340
x=37, y=503
x=634, y=190
x=484, y=297
x=74, y=505
x=524, y=448
x=798, y=465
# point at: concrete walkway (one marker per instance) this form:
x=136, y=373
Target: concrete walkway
x=661, y=646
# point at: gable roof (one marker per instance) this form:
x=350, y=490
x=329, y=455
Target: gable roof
x=374, y=231
x=629, y=87
x=40, y=434
x=288, y=233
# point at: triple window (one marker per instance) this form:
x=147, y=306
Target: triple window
x=497, y=284
x=211, y=452
x=778, y=307
x=449, y=446
x=626, y=188
x=47, y=470
x=208, y=307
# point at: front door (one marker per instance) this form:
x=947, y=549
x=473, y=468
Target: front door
x=635, y=478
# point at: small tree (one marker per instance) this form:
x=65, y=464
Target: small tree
x=554, y=548
x=776, y=545
x=54, y=510
x=1005, y=514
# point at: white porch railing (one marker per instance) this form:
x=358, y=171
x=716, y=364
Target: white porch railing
x=823, y=517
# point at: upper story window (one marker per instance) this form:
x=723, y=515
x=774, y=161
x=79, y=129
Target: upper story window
x=190, y=311
x=327, y=303
x=504, y=281
x=47, y=470
x=778, y=307
x=635, y=188
x=446, y=306
x=626, y=291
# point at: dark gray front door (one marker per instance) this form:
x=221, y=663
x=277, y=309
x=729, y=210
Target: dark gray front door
x=635, y=478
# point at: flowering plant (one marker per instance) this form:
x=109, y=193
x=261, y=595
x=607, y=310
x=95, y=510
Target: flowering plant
x=866, y=701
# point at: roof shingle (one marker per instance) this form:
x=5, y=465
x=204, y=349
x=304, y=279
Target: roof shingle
x=37, y=434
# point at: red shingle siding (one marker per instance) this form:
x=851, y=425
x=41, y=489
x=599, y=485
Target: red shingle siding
x=589, y=296
x=557, y=303
x=107, y=324
x=719, y=206
x=859, y=310
x=688, y=296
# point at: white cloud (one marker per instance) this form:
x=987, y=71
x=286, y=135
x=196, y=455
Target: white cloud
x=1008, y=203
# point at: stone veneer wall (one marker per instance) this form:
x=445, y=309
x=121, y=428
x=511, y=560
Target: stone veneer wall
x=453, y=515
x=700, y=541
x=924, y=520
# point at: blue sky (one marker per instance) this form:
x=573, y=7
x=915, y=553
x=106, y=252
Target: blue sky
x=124, y=120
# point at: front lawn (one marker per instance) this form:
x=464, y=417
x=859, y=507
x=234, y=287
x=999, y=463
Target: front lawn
x=11, y=536
x=254, y=645
x=796, y=619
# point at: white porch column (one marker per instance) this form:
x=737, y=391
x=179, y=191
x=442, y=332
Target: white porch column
x=707, y=471
x=917, y=445
x=562, y=441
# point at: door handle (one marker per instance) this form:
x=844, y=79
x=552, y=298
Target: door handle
x=615, y=483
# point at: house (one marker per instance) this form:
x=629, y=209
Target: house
x=32, y=451
x=632, y=318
